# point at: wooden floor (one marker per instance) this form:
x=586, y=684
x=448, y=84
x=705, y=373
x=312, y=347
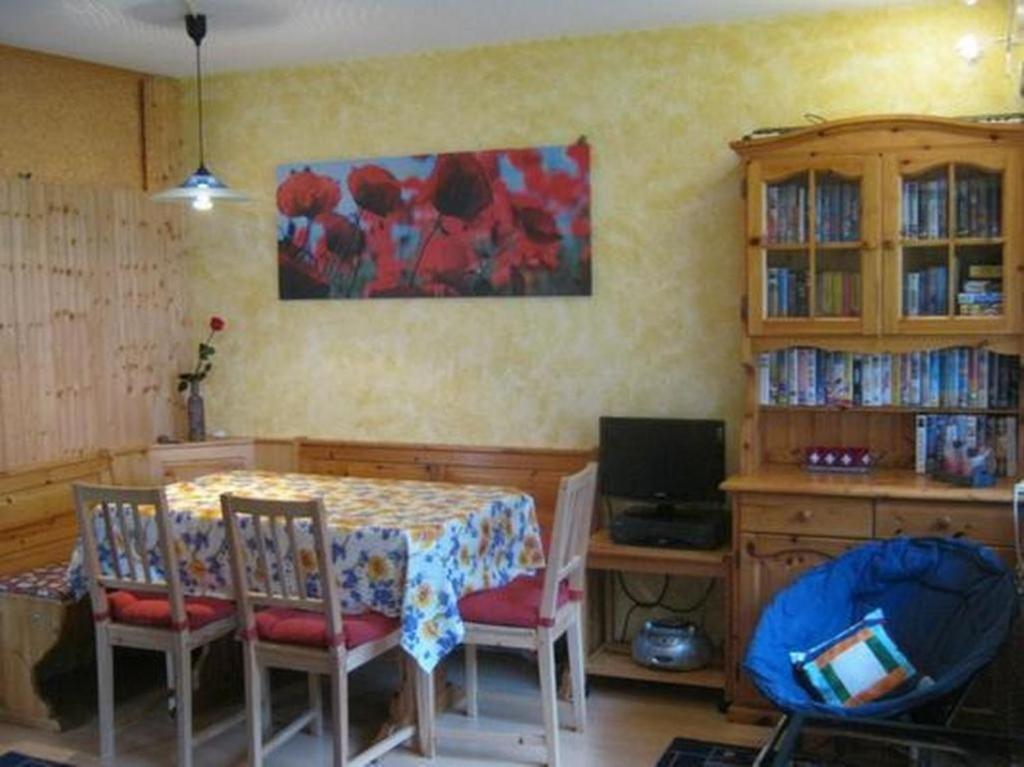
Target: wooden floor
x=629, y=723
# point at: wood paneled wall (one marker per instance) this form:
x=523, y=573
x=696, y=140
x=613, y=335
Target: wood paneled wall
x=73, y=122
x=92, y=320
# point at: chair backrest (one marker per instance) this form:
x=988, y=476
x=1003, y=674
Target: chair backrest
x=567, y=557
x=280, y=558
x=117, y=519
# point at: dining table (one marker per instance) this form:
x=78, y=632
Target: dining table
x=404, y=548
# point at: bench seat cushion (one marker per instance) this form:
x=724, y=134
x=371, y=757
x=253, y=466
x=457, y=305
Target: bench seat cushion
x=49, y=582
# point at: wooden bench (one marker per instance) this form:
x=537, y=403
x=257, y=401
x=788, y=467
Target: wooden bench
x=537, y=471
x=44, y=633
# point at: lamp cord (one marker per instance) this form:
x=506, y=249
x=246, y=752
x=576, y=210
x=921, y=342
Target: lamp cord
x=199, y=100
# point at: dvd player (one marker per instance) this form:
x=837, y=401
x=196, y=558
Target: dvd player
x=698, y=525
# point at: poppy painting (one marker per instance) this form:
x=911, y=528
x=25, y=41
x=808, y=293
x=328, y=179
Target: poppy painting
x=508, y=222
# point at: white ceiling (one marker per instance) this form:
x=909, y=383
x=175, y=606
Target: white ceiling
x=149, y=35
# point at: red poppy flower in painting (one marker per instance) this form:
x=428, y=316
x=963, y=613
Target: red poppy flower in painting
x=489, y=222
x=461, y=188
x=375, y=189
x=538, y=224
x=305, y=193
x=341, y=237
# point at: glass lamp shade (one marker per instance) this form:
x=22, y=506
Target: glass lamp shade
x=200, y=189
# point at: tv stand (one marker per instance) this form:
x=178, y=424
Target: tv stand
x=609, y=658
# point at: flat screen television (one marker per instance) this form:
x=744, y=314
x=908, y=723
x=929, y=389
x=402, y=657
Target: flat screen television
x=666, y=460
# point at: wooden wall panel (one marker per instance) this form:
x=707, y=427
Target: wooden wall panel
x=92, y=320
x=535, y=471
x=37, y=511
x=69, y=121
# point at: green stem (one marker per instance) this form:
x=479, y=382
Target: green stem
x=423, y=250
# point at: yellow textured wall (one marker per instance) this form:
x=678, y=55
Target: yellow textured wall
x=660, y=336
x=68, y=121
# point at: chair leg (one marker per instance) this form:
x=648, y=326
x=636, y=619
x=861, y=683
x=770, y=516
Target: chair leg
x=472, y=680
x=316, y=727
x=105, y=680
x=171, y=698
x=548, y=693
x=426, y=705
x=183, y=698
x=339, y=713
x=577, y=673
x=254, y=678
x=265, y=701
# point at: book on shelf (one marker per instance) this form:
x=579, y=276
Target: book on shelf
x=924, y=208
x=955, y=444
x=787, y=292
x=838, y=294
x=786, y=213
x=837, y=210
x=978, y=206
x=958, y=377
x=980, y=297
x=985, y=272
x=925, y=292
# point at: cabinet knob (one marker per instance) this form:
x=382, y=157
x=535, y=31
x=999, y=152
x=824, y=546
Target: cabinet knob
x=943, y=523
x=889, y=244
x=805, y=515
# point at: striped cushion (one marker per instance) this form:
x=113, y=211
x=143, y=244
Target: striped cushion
x=859, y=665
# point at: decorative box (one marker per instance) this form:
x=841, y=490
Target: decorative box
x=847, y=460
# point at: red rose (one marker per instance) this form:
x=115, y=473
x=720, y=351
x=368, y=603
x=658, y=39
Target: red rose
x=375, y=189
x=217, y=324
x=305, y=193
x=341, y=237
x=538, y=224
x=460, y=186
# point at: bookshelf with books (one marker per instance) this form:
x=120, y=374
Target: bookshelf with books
x=881, y=311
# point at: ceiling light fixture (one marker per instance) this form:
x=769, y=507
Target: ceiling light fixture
x=202, y=187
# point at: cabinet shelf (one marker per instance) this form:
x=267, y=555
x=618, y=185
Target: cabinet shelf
x=893, y=409
x=613, y=659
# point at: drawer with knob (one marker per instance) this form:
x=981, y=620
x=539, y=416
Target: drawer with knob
x=990, y=523
x=806, y=515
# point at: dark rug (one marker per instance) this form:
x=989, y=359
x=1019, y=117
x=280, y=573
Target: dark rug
x=14, y=759
x=697, y=753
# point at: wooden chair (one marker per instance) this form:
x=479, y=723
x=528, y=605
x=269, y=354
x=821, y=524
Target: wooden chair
x=285, y=626
x=136, y=607
x=532, y=612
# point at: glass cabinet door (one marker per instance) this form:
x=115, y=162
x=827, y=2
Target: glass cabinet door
x=813, y=234
x=947, y=242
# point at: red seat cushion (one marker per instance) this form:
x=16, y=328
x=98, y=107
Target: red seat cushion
x=515, y=604
x=147, y=609
x=290, y=626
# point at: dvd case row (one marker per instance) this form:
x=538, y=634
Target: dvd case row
x=959, y=445
x=958, y=377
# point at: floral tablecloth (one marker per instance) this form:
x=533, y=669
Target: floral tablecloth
x=402, y=548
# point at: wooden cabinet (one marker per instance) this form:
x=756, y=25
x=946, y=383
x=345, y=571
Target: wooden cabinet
x=183, y=461
x=786, y=521
x=813, y=244
x=883, y=259
x=883, y=225
x=948, y=228
x=766, y=564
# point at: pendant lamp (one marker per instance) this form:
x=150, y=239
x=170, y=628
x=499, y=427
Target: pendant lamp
x=202, y=187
